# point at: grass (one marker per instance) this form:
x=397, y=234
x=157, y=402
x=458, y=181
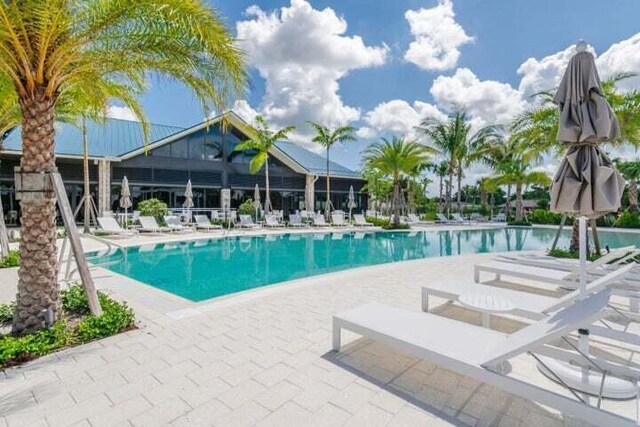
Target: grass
x=77, y=326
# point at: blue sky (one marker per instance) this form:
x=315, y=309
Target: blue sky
x=377, y=82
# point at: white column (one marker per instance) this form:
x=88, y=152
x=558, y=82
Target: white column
x=310, y=193
x=104, y=186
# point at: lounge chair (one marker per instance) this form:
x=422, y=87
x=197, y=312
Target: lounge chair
x=459, y=219
x=499, y=218
x=443, y=219
x=272, y=222
x=247, y=222
x=111, y=226
x=360, y=221
x=173, y=222
x=318, y=221
x=295, y=220
x=337, y=219
x=203, y=223
x=567, y=279
x=483, y=354
x=148, y=224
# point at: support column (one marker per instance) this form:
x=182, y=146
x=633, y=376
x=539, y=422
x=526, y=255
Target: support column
x=104, y=186
x=310, y=193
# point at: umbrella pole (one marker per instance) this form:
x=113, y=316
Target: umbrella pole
x=582, y=223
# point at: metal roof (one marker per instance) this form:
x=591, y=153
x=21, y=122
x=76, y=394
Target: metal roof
x=120, y=139
x=113, y=138
x=314, y=163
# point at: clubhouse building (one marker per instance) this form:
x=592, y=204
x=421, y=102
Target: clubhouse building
x=203, y=153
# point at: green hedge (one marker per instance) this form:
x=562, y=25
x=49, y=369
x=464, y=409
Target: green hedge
x=378, y=222
x=628, y=220
x=543, y=216
x=116, y=317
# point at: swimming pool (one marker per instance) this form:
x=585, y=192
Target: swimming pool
x=199, y=270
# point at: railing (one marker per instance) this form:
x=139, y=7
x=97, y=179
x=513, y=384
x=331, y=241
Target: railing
x=112, y=248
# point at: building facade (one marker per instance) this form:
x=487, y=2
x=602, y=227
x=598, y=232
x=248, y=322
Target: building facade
x=204, y=154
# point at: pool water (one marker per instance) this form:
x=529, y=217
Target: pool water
x=199, y=270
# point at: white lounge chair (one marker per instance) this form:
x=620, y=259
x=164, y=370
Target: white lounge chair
x=173, y=222
x=360, y=221
x=337, y=219
x=247, y=222
x=481, y=353
x=443, y=219
x=563, y=278
x=148, y=224
x=111, y=226
x=499, y=218
x=272, y=221
x=203, y=223
x=295, y=220
x=318, y=221
x=459, y=219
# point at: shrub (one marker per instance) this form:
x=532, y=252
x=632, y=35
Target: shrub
x=116, y=317
x=247, y=208
x=628, y=220
x=154, y=208
x=18, y=349
x=523, y=223
x=392, y=226
x=11, y=260
x=6, y=313
x=378, y=222
x=543, y=216
x=428, y=216
x=564, y=253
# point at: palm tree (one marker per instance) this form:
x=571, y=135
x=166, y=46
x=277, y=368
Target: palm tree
x=397, y=158
x=327, y=138
x=260, y=144
x=518, y=174
x=488, y=187
x=630, y=170
x=54, y=52
x=454, y=141
x=441, y=171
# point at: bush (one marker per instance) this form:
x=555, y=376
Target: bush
x=392, y=226
x=378, y=222
x=543, y=216
x=628, y=220
x=428, y=216
x=523, y=223
x=11, y=260
x=564, y=253
x=154, y=208
x=247, y=208
x=6, y=313
x=116, y=317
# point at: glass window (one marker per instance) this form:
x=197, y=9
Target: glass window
x=180, y=149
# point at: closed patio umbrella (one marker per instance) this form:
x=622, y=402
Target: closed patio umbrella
x=125, y=197
x=188, y=196
x=587, y=183
x=351, y=203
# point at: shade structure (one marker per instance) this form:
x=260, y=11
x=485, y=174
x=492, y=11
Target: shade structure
x=586, y=183
x=351, y=202
x=125, y=197
x=188, y=196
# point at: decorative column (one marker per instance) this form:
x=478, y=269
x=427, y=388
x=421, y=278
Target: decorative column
x=310, y=193
x=104, y=186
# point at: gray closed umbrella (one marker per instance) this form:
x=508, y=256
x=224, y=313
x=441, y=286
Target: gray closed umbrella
x=586, y=183
x=351, y=203
x=125, y=197
x=188, y=196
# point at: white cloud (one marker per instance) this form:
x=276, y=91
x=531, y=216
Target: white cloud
x=623, y=56
x=302, y=53
x=122, y=113
x=245, y=111
x=438, y=37
x=397, y=117
x=486, y=101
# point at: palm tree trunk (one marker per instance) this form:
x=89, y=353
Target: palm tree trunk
x=633, y=195
x=396, y=199
x=575, y=237
x=449, y=191
x=38, y=288
x=519, y=207
x=327, y=208
x=459, y=190
x=440, y=197
x=267, y=197
x=508, y=202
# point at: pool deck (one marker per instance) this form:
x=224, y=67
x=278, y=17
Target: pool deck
x=264, y=358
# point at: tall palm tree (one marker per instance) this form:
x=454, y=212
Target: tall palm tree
x=397, y=158
x=263, y=140
x=630, y=170
x=327, y=138
x=488, y=187
x=441, y=171
x=55, y=51
x=455, y=142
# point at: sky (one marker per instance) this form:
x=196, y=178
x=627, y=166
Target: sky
x=381, y=66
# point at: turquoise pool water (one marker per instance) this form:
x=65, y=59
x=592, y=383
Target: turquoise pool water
x=210, y=268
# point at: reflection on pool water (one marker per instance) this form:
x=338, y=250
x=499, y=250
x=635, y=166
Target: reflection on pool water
x=199, y=270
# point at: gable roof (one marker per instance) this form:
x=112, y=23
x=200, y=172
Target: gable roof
x=123, y=139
